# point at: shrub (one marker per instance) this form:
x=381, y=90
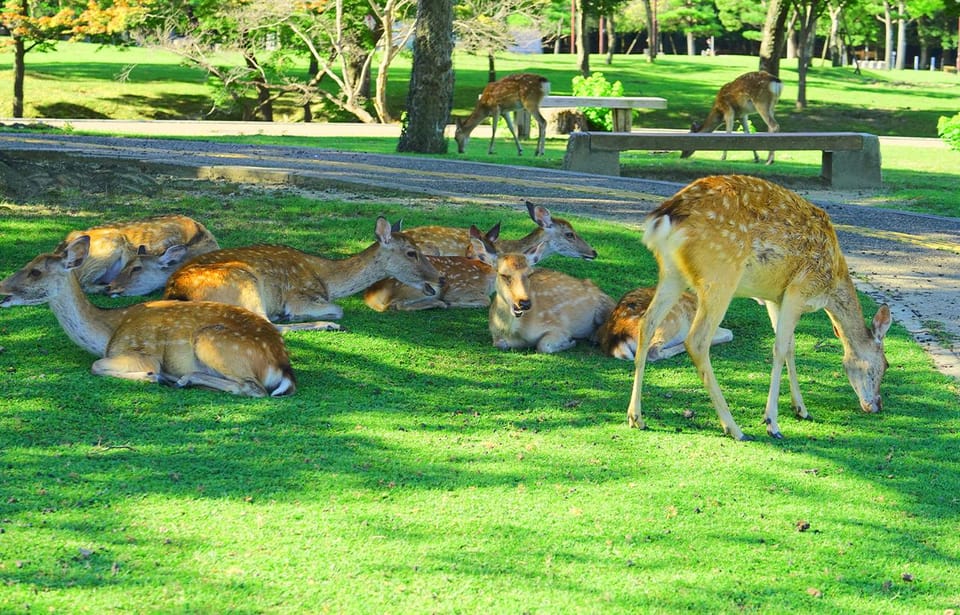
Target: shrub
x=949, y=130
x=597, y=85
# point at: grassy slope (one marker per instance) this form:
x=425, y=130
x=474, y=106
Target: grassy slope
x=419, y=469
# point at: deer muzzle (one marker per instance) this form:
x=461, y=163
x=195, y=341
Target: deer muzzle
x=521, y=307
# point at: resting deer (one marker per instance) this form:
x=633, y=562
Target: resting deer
x=756, y=92
x=540, y=308
x=467, y=280
x=211, y=345
x=617, y=336
x=113, y=247
x=505, y=96
x=557, y=235
x=729, y=236
x=284, y=284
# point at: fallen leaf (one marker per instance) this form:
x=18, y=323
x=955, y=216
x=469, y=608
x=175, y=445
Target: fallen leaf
x=803, y=526
x=813, y=591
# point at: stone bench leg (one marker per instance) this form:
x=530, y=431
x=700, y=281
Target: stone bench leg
x=848, y=170
x=581, y=158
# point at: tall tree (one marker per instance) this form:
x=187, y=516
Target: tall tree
x=37, y=26
x=774, y=36
x=488, y=26
x=430, y=97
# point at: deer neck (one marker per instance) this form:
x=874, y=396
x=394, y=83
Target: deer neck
x=527, y=242
x=480, y=113
x=350, y=275
x=87, y=325
x=845, y=313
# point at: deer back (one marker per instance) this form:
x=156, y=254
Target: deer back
x=212, y=339
x=748, y=93
x=114, y=246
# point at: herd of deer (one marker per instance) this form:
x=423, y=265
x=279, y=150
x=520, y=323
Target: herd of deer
x=220, y=322
x=223, y=311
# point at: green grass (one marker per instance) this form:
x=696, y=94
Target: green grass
x=418, y=469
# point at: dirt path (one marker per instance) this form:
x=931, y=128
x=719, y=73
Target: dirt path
x=910, y=261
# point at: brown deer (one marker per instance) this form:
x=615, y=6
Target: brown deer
x=284, y=284
x=505, y=96
x=540, y=308
x=756, y=92
x=617, y=336
x=557, y=235
x=729, y=236
x=211, y=345
x=468, y=281
x=113, y=247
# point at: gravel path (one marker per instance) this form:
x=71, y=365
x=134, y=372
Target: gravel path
x=910, y=261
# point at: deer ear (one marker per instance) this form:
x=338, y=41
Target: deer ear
x=541, y=215
x=76, y=252
x=383, y=230
x=881, y=322
x=535, y=253
x=494, y=233
x=173, y=255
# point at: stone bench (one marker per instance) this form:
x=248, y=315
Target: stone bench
x=850, y=159
x=621, y=106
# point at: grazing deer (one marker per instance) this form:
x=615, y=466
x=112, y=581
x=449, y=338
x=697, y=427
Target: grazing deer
x=729, y=236
x=540, y=308
x=281, y=283
x=617, y=336
x=506, y=96
x=211, y=345
x=557, y=235
x=113, y=247
x=756, y=92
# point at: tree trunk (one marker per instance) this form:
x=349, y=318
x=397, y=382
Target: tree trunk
x=264, y=103
x=19, y=63
x=774, y=36
x=611, y=39
x=888, y=35
x=430, y=96
x=691, y=44
x=653, y=36
x=901, y=34
x=583, y=44
x=312, y=71
x=491, y=67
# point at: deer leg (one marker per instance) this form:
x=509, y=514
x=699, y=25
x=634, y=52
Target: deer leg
x=669, y=289
x=311, y=312
x=772, y=126
x=129, y=367
x=508, y=117
x=555, y=342
x=493, y=128
x=542, y=135
x=711, y=308
x=784, y=319
x=745, y=122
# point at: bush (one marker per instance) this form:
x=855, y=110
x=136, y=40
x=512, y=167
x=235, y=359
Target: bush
x=949, y=130
x=597, y=85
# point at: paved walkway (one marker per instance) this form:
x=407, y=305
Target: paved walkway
x=910, y=261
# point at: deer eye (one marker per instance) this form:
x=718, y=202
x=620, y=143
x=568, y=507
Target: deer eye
x=137, y=269
x=569, y=235
x=35, y=273
x=412, y=254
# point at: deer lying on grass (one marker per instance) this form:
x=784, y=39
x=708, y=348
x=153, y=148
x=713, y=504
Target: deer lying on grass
x=617, y=336
x=211, y=345
x=505, y=96
x=540, y=308
x=756, y=92
x=281, y=283
x=730, y=236
x=557, y=234
x=468, y=279
x=114, y=248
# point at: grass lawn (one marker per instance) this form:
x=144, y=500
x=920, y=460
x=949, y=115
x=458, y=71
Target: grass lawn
x=419, y=469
